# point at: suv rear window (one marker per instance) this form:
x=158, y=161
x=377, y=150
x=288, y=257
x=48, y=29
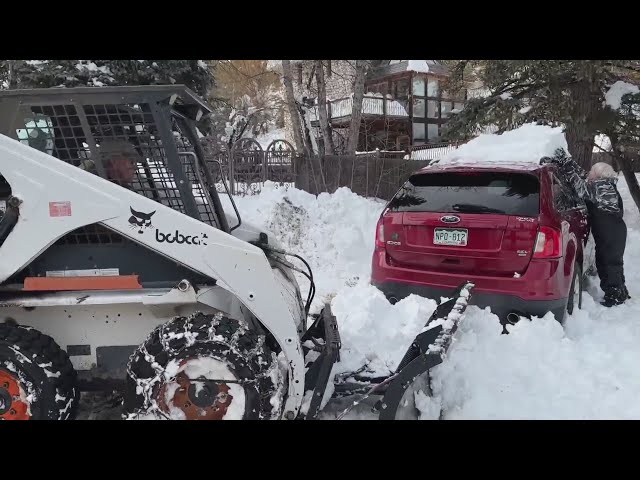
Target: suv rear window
x=500, y=192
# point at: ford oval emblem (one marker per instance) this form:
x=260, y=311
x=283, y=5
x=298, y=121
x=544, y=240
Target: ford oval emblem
x=450, y=219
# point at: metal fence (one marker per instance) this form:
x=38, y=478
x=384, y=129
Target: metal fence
x=247, y=166
x=366, y=175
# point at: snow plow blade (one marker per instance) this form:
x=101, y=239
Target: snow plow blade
x=322, y=337
x=427, y=350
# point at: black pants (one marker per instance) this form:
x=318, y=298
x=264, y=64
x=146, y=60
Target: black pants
x=610, y=235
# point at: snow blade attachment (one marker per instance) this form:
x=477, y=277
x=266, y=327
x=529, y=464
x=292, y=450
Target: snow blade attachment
x=427, y=350
x=321, y=338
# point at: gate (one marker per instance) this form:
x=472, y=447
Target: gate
x=247, y=166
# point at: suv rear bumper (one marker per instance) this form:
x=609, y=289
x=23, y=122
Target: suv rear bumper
x=535, y=292
x=500, y=304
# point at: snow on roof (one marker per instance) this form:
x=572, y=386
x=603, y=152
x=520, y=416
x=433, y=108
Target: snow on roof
x=420, y=66
x=524, y=146
x=613, y=97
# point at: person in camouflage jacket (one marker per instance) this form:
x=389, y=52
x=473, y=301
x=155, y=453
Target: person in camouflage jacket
x=604, y=203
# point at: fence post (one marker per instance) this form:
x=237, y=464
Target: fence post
x=232, y=183
x=264, y=159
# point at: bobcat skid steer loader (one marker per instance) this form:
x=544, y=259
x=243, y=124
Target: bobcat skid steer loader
x=120, y=270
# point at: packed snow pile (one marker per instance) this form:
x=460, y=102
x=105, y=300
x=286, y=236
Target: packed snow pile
x=374, y=332
x=614, y=95
x=524, y=145
x=335, y=233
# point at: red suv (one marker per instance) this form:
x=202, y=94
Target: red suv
x=516, y=232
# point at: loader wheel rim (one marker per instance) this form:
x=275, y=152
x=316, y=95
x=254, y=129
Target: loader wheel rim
x=211, y=392
x=13, y=399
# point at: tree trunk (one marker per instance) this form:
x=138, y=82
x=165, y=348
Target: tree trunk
x=292, y=107
x=13, y=78
x=356, y=110
x=580, y=134
x=322, y=110
x=621, y=157
x=307, y=133
x=632, y=180
x=580, y=144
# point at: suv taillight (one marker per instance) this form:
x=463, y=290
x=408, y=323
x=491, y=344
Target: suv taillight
x=380, y=233
x=548, y=243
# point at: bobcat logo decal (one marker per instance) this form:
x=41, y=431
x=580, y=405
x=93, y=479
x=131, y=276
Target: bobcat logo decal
x=140, y=220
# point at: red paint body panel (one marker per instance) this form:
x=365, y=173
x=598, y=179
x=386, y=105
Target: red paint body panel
x=499, y=251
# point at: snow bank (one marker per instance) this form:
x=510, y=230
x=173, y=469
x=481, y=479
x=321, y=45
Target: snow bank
x=335, y=233
x=374, y=332
x=614, y=95
x=524, y=145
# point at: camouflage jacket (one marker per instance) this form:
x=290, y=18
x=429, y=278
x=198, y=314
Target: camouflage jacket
x=602, y=194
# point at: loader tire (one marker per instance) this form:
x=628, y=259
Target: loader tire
x=204, y=367
x=37, y=379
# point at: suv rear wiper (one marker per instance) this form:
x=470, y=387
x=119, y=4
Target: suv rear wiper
x=471, y=208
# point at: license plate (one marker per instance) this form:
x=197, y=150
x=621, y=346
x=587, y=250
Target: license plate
x=450, y=236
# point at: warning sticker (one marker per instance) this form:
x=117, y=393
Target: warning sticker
x=59, y=209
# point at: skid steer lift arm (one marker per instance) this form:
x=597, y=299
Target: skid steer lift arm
x=427, y=350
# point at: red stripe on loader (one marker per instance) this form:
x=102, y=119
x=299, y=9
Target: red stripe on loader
x=39, y=284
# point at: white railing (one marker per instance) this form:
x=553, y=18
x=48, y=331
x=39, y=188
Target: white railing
x=433, y=151
x=371, y=105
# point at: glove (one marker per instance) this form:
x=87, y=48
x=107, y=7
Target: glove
x=560, y=158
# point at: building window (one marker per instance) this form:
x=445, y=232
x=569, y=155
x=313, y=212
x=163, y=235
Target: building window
x=418, y=107
x=418, y=133
x=432, y=131
x=445, y=109
x=432, y=87
x=432, y=109
x=418, y=86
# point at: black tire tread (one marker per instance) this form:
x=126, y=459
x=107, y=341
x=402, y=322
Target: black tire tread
x=246, y=348
x=41, y=348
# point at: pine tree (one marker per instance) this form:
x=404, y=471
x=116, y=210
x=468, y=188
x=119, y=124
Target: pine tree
x=568, y=93
x=195, y=74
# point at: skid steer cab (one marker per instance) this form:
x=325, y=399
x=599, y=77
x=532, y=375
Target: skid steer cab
x=120, y=269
